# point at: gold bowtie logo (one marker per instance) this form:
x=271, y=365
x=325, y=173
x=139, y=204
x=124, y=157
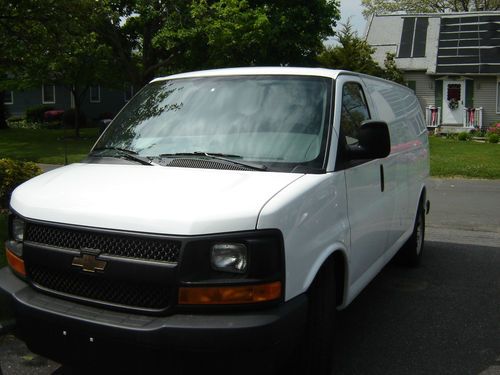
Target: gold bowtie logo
x=89, y=263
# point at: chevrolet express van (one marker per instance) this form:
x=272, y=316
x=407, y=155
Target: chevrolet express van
x=220, y=210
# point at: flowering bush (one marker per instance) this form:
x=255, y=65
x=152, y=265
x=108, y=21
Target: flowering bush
x=494, y=129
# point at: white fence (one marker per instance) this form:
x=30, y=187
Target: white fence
x=432, y=116
x=473, y=118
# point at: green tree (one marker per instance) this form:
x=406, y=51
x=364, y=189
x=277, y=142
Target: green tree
x=352, y=53
x=25, y=34
x=83, y=60
x=355, y=54
x=45, y=41
x=391, y=71
x=75, y=42
x=151, y=37
x=426, y=6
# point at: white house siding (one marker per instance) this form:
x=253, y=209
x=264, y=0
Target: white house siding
x=485, y=95
x=424, y=88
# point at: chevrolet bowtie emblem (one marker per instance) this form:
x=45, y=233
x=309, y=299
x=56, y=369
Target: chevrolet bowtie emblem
x=89, y=262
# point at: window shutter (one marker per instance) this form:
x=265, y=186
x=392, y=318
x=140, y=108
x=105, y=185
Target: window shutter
x=469, y=93
x=438, y=93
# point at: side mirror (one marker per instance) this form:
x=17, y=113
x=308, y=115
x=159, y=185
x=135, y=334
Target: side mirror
x=374, y=141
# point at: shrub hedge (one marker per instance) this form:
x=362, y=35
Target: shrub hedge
x=12, y=174
x=35, y=114
x=493, y=138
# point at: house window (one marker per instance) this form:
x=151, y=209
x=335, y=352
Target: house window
x=498, y=96
x=48, y=94
x=453, y=93
x=8, y=97
x=413, y=37
x=128, y=92
x=95, y=94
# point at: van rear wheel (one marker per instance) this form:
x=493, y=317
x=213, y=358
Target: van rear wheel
x=411, y=252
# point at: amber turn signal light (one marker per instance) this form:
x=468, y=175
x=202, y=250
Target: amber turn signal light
x=225, y=295
x=16, y=263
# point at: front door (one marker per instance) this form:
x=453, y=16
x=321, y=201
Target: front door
x=453, y=102
x=370, y=208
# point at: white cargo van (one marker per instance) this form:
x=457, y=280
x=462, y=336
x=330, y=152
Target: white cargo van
x=220, y=210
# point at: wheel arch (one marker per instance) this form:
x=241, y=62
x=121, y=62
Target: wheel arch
x=422, y=199
x=336, y=261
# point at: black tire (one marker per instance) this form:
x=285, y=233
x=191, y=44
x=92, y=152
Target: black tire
x=411, y=252
x=317, y=347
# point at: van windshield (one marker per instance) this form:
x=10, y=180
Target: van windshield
x=277, y=121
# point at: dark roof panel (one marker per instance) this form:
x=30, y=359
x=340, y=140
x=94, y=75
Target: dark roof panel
x=405, y=47
x=480, y=32
x=420, y=37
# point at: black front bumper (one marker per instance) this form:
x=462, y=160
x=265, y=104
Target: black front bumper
x=64, y=330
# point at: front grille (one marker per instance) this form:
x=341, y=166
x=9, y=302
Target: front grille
x=114, y=244
x=100, y=289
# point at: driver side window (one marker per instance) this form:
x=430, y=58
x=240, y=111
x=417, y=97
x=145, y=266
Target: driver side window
x=354, y=111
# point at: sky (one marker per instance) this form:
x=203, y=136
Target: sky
x=352, y=9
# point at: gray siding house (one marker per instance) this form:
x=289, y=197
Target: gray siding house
x=96, y=101
x=451, y=60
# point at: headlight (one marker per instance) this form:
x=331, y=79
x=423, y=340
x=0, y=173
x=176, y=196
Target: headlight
x=14, y=245
x=18, y=229
x=232, y=268
x=229, y=257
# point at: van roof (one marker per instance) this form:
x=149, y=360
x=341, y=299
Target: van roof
x=321, y=72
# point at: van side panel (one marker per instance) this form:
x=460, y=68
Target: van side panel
x=312, y=215
x=408, y=164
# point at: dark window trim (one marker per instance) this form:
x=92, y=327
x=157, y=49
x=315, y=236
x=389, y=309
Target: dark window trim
x=98, y=94
x=10, y=94
x=45, y=101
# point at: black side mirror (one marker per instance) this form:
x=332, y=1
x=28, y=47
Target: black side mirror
x=374, y=141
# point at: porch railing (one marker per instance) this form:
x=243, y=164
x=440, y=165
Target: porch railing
x=473, y=118
x=432, y=116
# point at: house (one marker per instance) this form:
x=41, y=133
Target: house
x=451, y=60
x=96, y=102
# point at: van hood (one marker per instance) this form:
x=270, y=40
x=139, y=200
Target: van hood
x=153, y=199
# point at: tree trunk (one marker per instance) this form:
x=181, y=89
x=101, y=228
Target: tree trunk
x=3, y=113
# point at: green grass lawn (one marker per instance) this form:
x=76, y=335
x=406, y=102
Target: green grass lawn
x=45, y=145
x=453, y=158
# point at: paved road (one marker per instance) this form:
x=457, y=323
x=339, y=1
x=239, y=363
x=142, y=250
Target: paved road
x=464, y=211
x=440, y=318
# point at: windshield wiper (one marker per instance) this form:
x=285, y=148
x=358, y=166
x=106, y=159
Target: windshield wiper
x=123, y=153
x=202, y=153
x=218, y=156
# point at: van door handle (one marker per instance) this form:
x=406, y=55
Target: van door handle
x=382, y=182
